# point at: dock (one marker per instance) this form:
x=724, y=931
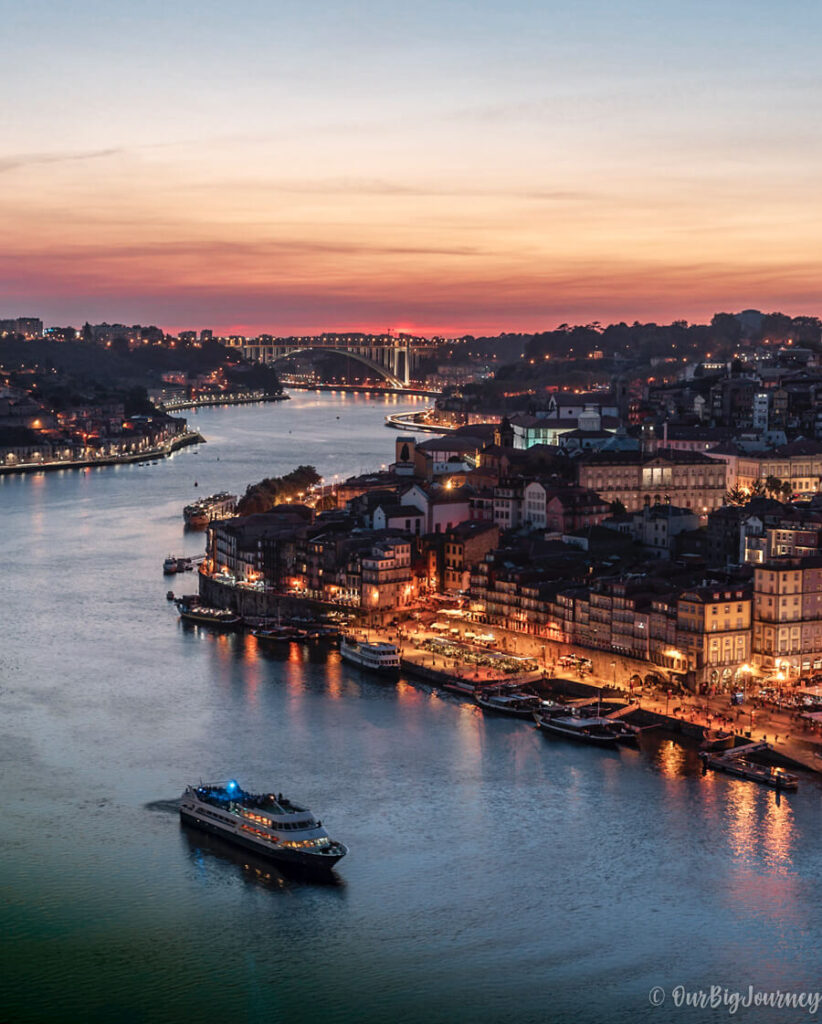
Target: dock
x=734, y=762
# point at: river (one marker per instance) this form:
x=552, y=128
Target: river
x=494, y=874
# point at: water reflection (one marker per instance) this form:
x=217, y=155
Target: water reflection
x=671, y=756
x=779, y=831
x=741, y=818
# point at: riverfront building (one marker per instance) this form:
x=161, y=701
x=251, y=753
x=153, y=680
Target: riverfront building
x=787, y=634
x=685, y=478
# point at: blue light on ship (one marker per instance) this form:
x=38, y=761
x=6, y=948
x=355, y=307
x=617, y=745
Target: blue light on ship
x=232, y=785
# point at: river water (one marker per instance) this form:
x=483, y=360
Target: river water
x=494, y=874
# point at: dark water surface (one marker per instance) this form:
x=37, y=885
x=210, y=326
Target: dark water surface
x=494, y=874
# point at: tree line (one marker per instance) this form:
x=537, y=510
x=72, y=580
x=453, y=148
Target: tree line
x=263, y=496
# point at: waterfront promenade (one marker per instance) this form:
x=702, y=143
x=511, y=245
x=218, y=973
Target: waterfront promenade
x=160, y=451
x=786, y=732
x=212, y=401
x=448, y=650
x=453, y=652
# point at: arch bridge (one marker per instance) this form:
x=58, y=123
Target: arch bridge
x=392, y=358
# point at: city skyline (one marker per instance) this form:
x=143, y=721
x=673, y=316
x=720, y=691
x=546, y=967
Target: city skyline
x=449, y=169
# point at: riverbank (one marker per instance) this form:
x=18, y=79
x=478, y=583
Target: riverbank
x=692, y=716
x=210, y=403
x=364, y=389
x=411, y=421
x=148, y=455
x=442, y=661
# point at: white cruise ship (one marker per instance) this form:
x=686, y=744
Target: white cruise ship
x=382, y=658
x=267, y=823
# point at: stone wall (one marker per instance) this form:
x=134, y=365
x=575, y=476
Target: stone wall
x=255, y=604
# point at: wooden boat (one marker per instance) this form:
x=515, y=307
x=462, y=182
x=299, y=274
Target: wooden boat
x=275, y=635
x=219, y=618
x=519, y=705
x=598, y=732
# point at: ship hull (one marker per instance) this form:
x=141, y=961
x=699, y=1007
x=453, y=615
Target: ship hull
x=578, y=737
x=320, y=863
x=202, y=620
x=510, y=712
x=386, y=671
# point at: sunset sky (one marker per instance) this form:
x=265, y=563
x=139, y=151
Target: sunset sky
x=443, y=166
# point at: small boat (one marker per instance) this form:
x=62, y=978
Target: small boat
x=170, y=595
x=717, y=739
x=598, y=732
x=170, y=566
x=519, y=705
x=463, y=686
x=203, y=615
x=269, y=824
x=379, y=657
x=776, y=778
x=275, y=635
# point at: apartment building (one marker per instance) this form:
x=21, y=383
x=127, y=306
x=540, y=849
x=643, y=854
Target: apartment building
x=713, y=633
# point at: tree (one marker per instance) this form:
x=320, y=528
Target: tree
x=617, y=508
x=787, y=490
x=773, y=485
x=757, y=489
x=736, y=496
x=271, y=491
x=726, y=330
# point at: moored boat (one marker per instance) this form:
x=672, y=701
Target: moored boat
x=275, y=635
x=463, y=686
x=204, y=615
x=776, y=778
x=598, y=732
x=170, y=565
x=377, y=657
x=270, y=824
x=519, y=705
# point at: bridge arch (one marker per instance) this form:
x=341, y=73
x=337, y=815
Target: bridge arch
x=381, y=371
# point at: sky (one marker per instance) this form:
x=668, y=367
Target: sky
x=444, y=167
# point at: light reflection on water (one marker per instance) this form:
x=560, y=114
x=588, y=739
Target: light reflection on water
x=495, y=874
